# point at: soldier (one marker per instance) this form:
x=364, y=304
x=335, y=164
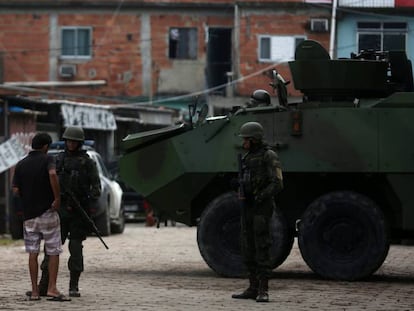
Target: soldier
x=261, y=180
x=259, y=98
x=78, y=174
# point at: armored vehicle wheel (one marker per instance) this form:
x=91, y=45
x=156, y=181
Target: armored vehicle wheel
x=218, y=237
x=342, y=235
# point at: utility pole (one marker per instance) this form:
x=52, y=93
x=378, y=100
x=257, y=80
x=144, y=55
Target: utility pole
x=333, y=30
x=7, y=172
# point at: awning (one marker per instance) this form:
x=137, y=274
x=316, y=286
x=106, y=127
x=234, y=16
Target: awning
x=147, y=115
x=74, y=113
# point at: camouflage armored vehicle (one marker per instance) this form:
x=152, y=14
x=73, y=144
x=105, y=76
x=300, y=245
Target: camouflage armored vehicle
x=347, y=151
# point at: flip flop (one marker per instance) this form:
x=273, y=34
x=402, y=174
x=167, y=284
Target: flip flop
x=34, y=298
x=60, y=297
x=29, y=293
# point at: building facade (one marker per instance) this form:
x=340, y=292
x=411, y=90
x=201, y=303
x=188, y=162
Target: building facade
x=113, y=50
x=379, y=25
x=152, y=48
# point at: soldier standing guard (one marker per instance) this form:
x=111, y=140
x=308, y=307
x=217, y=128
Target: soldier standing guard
x=261, y=180
x=78, y=175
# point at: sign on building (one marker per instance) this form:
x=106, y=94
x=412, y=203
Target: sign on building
x=11, y=152
x=88, y=117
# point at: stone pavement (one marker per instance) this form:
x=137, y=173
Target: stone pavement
x=161, y=269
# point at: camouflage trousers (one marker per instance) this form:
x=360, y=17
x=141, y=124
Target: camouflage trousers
x=75, y=229
x=256, y=237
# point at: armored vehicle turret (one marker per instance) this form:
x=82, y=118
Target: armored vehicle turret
x=347, y=152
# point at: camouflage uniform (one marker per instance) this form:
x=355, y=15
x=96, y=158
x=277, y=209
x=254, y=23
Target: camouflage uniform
x=261, y=183
x=78, y=172
x=261, y=180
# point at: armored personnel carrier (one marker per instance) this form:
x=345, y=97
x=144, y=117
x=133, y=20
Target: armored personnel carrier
x=347, y=152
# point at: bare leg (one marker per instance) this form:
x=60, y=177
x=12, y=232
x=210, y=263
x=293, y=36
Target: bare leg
x=34, y=271
x=53, y=272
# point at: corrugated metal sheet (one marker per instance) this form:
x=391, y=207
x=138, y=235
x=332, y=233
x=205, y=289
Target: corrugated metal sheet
x=376, y=3
x=367, y=3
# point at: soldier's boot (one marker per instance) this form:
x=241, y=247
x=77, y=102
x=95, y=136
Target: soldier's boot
x=262, y=295
x=250, y=292
x=74, y=284
x=44, y=283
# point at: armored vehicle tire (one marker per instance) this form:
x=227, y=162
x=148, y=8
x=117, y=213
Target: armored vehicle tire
x=218, y=237
x=343, y=235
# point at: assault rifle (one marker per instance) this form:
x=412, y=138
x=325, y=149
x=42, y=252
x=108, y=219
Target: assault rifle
x=84, y=215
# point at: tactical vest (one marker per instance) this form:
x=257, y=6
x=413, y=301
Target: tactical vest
x=73, y=172
x=257, y=173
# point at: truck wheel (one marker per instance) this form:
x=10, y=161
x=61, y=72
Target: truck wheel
x=218, y=237
x=118, y=226
x=343, y=235
x=103, y=223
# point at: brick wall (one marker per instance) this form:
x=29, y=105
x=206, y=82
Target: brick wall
x=289, y=23
x=117, y=40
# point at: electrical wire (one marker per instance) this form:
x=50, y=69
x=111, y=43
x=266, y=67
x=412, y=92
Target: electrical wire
x=131, y=104
x=101, y=43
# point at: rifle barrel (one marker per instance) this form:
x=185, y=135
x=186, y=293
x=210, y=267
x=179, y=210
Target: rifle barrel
x=86, y=217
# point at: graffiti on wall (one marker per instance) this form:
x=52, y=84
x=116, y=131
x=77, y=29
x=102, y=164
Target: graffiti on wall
x=88, y=117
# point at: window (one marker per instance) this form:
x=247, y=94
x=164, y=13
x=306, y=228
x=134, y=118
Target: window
x=278, y=48
x=382, y=36
x=76, y=42
x=183, y=43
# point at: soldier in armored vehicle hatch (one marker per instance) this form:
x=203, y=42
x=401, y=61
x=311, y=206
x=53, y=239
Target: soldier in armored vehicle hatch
x=259, y=98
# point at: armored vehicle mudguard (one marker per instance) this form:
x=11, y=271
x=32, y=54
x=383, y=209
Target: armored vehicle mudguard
x=347, y=153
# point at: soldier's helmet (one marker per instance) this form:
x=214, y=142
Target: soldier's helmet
x=74, y=133
x=252, y=130
x=260, y=97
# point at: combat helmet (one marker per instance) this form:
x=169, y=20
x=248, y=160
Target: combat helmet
x=260, y=97
x=74, y=133
x=252, y=130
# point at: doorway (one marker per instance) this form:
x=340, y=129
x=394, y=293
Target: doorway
x=219, y=60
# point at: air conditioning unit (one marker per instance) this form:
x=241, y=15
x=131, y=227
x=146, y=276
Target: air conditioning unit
x=67, y=70
x=319, y=25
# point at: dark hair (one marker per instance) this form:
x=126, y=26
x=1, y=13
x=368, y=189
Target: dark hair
x=41, y=139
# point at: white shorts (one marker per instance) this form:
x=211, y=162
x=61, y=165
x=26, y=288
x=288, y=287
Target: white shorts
x=47, y=227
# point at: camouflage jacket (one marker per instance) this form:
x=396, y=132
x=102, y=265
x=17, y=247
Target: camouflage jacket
x=262, y=174
x=78, y=172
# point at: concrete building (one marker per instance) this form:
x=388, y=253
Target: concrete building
x=153, y=48
x=379, y=25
